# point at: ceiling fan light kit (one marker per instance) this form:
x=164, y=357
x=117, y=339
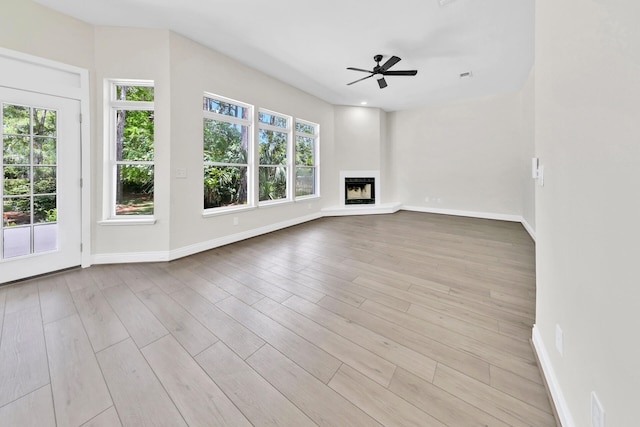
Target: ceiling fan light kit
x=380, y=71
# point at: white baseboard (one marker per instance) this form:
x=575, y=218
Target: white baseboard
x=129, y=257
x=386, y=208
x=552, y=381
x=389, y=208
x=198, y=247
x=233, y=238
x=471, y=214
x=529, y=229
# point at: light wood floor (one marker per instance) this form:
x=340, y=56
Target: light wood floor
x=408, y=319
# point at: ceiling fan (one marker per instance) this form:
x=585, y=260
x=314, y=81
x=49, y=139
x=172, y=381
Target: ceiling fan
x=383, y=70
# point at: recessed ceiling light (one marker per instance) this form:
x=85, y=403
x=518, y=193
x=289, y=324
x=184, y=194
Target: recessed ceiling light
x=363, y=103
x=445, y=2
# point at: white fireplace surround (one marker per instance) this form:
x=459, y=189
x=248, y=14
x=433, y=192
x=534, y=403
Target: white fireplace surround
x=361, y=209
x=360, y=174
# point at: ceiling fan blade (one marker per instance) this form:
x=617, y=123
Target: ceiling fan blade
x=390, y=63
x=382, y=83
x=359, y=69
x=401, y=73
x=359, y=80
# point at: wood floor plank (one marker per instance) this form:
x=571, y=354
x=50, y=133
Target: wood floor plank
x=21, y=412
x=384, y=347
x=23, y=355
x=433, y=301
x=205, y=288
x=335, y=290
x=264, y=277
x=258, y=400
x=365, y=361
x=21, y=296
x=108, y=418
x=232, y=333
x=55, y=299
x=197, y=397
x=183, y=326
x=141, y=324
x=248, y=276
x=322, y=404
x=489, y=337
x=445, y=407
x=139, y=397
x=104, y=276
x=229, y=285
x=166, y=282
x=497, y=403
x=462, y=361
x=314, y=360
x=79, y=390
x=79, y=279
x=377, y=401
x=362, y=291
x=100, y=321
x=526, y=390
x=490, y=354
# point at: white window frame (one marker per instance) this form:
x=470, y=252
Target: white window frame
x=110, y=162
x=290, y=153
x=316, y=157
x=249, y=123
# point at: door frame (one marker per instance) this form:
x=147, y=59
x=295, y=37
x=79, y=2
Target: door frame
x=34, y=74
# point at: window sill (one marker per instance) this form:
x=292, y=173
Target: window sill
x=307, y=198
x=274, y=203
x=127, y=221
x=225, y=211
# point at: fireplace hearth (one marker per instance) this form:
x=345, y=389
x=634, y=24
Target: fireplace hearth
x=359, y=191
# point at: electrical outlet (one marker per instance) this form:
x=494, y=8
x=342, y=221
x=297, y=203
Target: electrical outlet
x=181, y=173
x=597, y=411
x=559, y=340
x=236, y=221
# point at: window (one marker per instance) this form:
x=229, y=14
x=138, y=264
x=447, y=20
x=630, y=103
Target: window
x=29, y=188
x=227, y=146
x=131, y=137
x=307, y=176
x=274, y=134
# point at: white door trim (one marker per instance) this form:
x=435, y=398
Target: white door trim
x=66, y=81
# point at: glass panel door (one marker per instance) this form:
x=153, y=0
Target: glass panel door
x=40, y=189
x=29, y=190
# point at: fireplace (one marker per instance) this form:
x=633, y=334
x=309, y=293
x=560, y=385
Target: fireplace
x=359, y=191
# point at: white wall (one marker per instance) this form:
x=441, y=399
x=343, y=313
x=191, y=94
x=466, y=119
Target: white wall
x=196, y=69
x=587, y=93
x=36, y=30
x=527, y=130
x=463, y=156
x=127, y=53
x=362, y=143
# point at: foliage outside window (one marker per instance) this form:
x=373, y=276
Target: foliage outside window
x=273, y=153
x=131, y=148
x=226, y=151
x=29, y=170
x=307, y=176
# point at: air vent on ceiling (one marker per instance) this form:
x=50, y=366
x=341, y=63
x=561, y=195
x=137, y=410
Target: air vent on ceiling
x=466, y=75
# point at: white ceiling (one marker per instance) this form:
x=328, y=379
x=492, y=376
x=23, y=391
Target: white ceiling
x=309, y=44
